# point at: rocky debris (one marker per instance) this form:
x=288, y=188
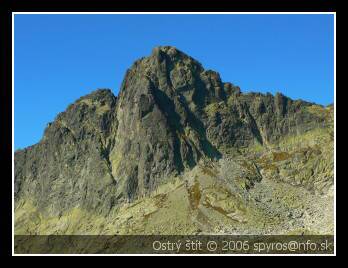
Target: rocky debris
x=202, y=203
x=170, y=114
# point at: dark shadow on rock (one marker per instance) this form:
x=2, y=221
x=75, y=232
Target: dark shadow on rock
x=208, y=149
x=167, y=106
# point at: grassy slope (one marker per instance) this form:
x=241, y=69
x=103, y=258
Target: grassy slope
x=295, y=196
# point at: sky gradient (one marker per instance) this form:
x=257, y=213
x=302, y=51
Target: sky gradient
x=59, y=58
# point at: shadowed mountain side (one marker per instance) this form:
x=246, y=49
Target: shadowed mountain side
x=170, y=114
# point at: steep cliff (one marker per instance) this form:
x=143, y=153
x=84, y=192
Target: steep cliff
x=170, y=116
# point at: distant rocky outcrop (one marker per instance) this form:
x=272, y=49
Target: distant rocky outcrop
x=169, y=115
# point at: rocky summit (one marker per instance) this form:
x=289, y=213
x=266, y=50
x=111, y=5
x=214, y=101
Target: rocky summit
x=179, y=151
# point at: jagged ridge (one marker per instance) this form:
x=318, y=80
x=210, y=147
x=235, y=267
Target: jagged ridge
x=170, y=114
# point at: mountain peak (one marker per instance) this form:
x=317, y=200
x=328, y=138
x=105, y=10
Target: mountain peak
x=174, y=55
x=166, y=49
x=100, y=94
x=170, y=114
x=169, y=50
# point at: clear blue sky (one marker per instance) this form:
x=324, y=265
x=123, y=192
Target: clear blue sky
x=59, y=58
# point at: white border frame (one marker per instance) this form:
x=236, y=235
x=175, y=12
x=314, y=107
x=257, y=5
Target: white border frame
x=173, y=13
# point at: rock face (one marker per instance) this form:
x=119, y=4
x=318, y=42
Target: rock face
x=70, y=165
x=170, y=114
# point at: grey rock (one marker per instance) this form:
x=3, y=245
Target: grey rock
x=170, y=113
